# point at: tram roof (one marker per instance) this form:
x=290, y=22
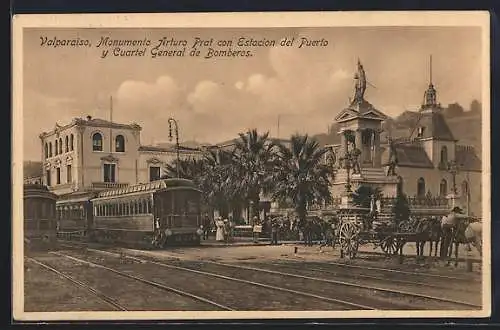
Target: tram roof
x=148, y=187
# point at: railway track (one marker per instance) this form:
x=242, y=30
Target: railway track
x=148, y=282
x=410, y=278
x=148, y=291
x=101, y=296
x=402, y=272
x=332, y=303
x=368, y=289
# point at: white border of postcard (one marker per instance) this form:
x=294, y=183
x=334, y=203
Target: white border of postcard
x=275, y=19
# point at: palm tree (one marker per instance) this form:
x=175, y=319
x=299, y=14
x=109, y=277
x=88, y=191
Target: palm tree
x=301, y=176
x=253, y=166
x=216, y=181
x=189, y=168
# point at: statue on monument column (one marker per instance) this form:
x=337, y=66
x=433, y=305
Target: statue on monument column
x=360, y=86
x=393, y=158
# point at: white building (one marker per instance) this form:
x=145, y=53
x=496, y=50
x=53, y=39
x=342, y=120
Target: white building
x=94, y=154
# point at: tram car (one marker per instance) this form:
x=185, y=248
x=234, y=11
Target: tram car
x=39, y=217
x=75, y=216
x=155, y=214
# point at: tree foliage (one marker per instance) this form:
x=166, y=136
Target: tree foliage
x=363, y=195
x=300, y=175
x=401, y=208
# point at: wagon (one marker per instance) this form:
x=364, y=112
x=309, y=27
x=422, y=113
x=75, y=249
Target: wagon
x=356, y=227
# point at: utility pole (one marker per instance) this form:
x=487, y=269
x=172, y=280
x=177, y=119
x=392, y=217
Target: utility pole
x=173, y=122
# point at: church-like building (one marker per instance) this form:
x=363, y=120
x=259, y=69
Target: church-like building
x=428, y=163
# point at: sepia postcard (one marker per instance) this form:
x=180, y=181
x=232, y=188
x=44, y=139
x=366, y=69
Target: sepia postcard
x=251, y=166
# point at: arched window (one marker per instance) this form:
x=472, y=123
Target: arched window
x=50, y=149
x=67, y=143
x=57, y=148
x=60, y=146
x=97, y=142
x=120, y=143
x=444, y=155
x=443, y=188
x=46, y=150
x=421, y=187
x=71, y=141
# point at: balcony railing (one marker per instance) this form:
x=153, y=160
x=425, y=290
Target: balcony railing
x=421, y=202
x=108, y=185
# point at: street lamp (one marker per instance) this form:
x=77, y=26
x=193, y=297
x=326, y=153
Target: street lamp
x=348, y=166
x=173, y=122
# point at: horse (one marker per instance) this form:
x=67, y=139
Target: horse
x=329, y=231
x=467, y=232
x=422, y=234
x=427, y=230
x=435, y=235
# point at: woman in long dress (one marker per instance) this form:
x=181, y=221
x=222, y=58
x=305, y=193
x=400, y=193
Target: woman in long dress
x=219, y=235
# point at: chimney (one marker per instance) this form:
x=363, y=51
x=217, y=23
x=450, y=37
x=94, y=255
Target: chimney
x=89, y=117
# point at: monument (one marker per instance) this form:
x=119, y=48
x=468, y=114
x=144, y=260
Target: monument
x=359, y=154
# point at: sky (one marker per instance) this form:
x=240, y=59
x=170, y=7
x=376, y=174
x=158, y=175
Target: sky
x=215, y=99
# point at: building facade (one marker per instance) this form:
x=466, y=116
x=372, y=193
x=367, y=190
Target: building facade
x=95, y=154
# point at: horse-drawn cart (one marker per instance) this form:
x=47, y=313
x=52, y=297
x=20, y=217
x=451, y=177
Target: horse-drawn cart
x=357, y=226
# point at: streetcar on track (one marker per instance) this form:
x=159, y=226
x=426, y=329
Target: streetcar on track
x=159, y=213
x=39, y=216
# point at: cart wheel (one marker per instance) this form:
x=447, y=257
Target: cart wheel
x=389, y=245
x=348, y=240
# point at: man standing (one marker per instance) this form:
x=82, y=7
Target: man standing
x=206, y=226
x=257, y=229
x=274, y=231
x=448, y=227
